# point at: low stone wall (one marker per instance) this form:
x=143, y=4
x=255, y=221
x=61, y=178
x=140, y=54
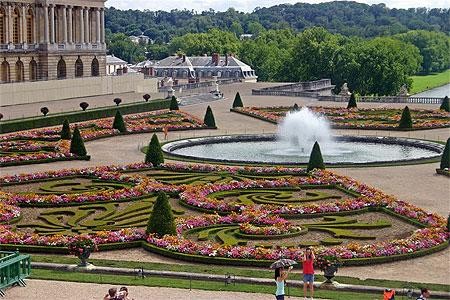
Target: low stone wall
x=39, y=91
x=383, y=99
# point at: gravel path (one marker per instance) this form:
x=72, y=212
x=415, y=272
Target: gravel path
x=417, y=184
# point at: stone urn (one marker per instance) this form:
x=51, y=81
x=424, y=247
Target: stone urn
x=84, y=257
x=330, y=272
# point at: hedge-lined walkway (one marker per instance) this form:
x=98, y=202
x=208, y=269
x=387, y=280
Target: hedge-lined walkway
x=417, y=184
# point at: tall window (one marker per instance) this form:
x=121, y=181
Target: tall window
x=33, y=70
x=2, y=26
x=5, y=71
x=19, y=71
x=16, y=26
x=95, y=70
x=78, y=67
x=61, y=69
x=30, y=27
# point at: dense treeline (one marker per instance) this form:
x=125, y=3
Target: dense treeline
x=344, y=17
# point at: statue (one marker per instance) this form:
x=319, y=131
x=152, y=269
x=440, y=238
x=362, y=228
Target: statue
x=403, y=91
x=344, y=90
x=168, y=82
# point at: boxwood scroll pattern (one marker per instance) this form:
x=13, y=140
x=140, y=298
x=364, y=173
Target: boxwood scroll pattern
x=229, y=228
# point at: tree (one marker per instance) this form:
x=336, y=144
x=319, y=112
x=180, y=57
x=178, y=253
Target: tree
x=119, y=123
x=445, y=160
x=406, y=120
x=209, y=118
x=237, y=101
x=77, y=144
x=154, y=153
x=174, y=103
x=352, y=101
x=445, y=105
x=315, y=159
x=161, y=221
x=65, y=131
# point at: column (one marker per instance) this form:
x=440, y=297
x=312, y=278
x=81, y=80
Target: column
x=70, y=26
x=64, y=24
x=102, y=13
x=23, y=34
x=86, y=25
x=46, y=25
x=9, y=31
x=52, y=24
x=97, y=36
x=81, y=25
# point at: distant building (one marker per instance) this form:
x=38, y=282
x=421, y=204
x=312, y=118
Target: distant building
x=246, y=36
x=197, y=68
x=141, y=39
x=113, y=64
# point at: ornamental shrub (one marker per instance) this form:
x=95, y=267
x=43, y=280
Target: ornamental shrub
x=146, y=97
x=161, y=221
x=77, y=144
x=174, y=103
x=352, y=102
x=448, y=223
x=117, y=101
x=406, y=120
x=237, y=101
x=445, y=105
x=445, y=160
x=295, y=107
x=1, y=116
x=118, y=123
x=84, y=105
x=65, y=131
x=209, y=118
x=154, y=153
x=315, y=159
x=44, y=110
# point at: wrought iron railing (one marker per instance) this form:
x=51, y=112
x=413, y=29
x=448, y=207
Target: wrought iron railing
x=14, y=268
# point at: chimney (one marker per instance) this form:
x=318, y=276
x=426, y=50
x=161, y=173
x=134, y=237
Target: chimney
x=215, y=58
x=226, y=59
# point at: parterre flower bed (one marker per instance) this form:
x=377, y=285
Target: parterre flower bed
x=359, y=118
x=255, y=220
x=44, y=144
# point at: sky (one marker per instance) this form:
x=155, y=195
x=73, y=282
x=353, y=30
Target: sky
x=249, y=5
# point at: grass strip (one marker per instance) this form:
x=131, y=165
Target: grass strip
x=426, y=82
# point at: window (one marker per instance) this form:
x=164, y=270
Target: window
x=19, y=71
x=78, y=67
x=2, y=26
x=30, y=27
x=16, y=26
x=61, y=69
x=33, y=70
x=95, y=70
x=5, y=71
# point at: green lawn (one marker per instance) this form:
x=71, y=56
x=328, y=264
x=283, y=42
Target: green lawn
x=426, y=82
x=222, y=270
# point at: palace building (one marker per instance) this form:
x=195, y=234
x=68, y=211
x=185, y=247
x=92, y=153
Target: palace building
x=51, y=39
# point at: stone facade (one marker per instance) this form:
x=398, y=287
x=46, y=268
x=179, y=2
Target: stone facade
x=51, y=39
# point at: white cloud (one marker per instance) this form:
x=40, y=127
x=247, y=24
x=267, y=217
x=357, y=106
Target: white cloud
x=249, y=5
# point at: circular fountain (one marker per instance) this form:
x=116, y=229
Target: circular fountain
x=293, y=143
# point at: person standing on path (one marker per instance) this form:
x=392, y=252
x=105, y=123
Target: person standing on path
x=280, y=276
x=308, y=272
x=424, y=294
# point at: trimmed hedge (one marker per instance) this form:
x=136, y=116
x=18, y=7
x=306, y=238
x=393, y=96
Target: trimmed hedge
x=80, y=116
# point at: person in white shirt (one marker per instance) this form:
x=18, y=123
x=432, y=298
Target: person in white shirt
x=424, y=294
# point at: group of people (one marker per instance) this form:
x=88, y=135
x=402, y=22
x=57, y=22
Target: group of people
x=114, y=294
x=281, y=274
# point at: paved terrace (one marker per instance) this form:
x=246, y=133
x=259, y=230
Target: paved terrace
x=417, y=184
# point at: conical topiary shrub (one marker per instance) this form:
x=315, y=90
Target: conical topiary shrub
x=154, y=153
x=315, y=159
x=161, y=221
x=448, y=223
x=209, y=118
x=237, y=101
x=174, y=103
x=119, y=123
x=352, y=101
x=406, y=120
x=445, y=160
x=65, y=131
x=445, y=105
x=77, y=144
x=295, y=107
